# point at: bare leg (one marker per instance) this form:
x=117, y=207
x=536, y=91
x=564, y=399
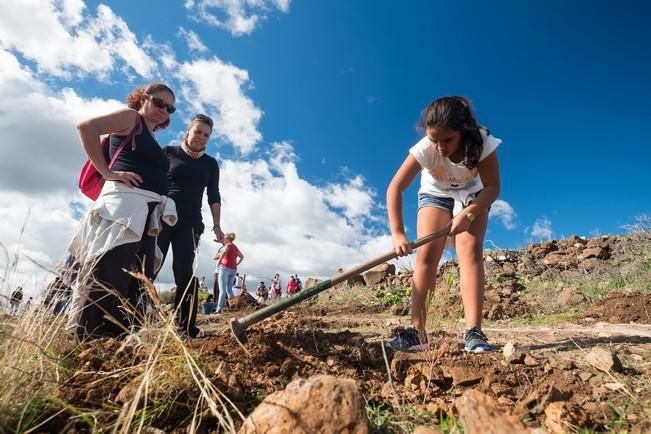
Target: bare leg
x=470, y=249
x=430, y=219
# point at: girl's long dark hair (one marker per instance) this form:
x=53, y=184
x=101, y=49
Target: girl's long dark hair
x=454, y=112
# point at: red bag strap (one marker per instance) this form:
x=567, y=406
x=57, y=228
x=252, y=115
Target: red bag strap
x=137, y=129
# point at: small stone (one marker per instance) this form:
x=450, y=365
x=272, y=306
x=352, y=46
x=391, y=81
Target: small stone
x=614, y=386
x=597, y=380
x=512, y=353
x=604, y=360
x=530, y=361
x=585, y=376
x=462, y=376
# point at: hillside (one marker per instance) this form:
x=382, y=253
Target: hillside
x=571, y=320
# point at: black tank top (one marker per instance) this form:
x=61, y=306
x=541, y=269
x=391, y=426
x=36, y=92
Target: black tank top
x=148, y=160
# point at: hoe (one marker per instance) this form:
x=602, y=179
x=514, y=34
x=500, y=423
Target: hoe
x=239, y=326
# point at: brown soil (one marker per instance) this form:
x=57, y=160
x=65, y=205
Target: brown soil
x=345, y=339
x=621, y=308
x=304, y=342
x=242, y=301
x=292, y=345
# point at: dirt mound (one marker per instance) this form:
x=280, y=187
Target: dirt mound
x=299, y=344
x=242, y=301
x=289, y=346
x=621, y=307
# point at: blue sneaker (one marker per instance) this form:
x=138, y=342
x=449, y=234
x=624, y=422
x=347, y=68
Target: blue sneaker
x=409, y=339
x=476, y=342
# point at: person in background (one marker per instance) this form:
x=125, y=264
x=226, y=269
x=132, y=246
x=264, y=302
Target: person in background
x=262, y=292
x=299, y=284
x=29, y=303
x=238, y=284
x=191, y=172
x=228, y=260
x=119, y=232
x=292, y=285
x=460, y=179
x=15, y=300
x=276, y=288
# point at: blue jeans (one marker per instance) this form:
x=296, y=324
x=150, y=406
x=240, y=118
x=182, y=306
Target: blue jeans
x=226, y=276
x=429, y=200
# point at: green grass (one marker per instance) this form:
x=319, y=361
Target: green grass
x=397, y=295
x=384, y=419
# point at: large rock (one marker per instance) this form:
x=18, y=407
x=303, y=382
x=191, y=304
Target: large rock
x=320, y=404
x=356, y=280
x=480, y=414
x=372, y=277
x=570, y=297
x=604, y=360
x=595, y=252
x=378, y=273
x=558, y=417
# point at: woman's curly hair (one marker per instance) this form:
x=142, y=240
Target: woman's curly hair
x=454, y=112
x=134, y=99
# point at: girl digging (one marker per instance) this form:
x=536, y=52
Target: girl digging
x=459, y=180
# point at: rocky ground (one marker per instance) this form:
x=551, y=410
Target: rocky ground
x=570, y=319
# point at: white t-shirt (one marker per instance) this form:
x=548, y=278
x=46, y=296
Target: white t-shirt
x=441, y=177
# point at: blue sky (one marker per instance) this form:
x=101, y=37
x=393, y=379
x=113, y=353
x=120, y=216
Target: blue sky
x=334, y=90
x=564, y=84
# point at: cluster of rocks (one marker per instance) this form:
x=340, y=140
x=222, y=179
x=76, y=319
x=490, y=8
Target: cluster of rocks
x=508, y=272
x=307, y=405
x=571, y=253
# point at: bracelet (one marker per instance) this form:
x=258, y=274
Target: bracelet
x=470, y=216
x=215, y=227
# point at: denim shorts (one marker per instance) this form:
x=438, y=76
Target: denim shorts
x=429, y=200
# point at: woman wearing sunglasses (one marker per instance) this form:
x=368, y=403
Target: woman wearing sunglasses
x=192, y=171
x=119, y=232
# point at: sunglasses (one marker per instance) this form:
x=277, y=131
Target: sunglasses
x=203, y=118
x=160, y=103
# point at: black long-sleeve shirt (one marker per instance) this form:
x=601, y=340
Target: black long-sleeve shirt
x=187, y=180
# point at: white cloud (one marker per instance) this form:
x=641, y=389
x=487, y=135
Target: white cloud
x=38, y=127
x=542, y=229
x=193, y=40
x=64, y=43
x=353, y=198
x=35, y=233
x=286, y=224
x=217, y=89
x=502, y=210
x=71, y=11
x=240, y=17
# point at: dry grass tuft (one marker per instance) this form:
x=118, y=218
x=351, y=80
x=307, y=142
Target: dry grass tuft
x=52, y=382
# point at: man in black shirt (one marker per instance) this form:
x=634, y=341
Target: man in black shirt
x=191, y=172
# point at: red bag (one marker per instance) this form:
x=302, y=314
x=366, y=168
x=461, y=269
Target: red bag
x=90, y=181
